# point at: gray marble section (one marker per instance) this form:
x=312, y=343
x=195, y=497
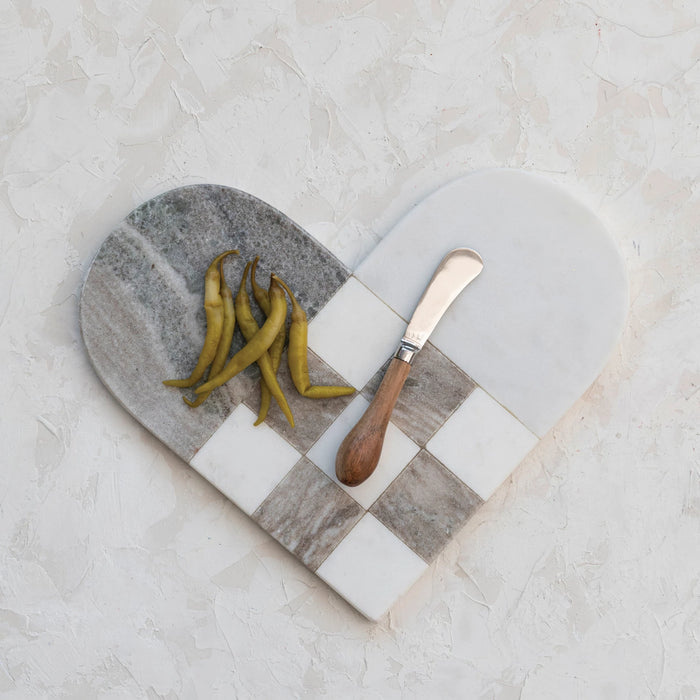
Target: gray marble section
x=426, y=505
x=434, y=389
x=142, y=314
x=308, y=514
x=190, y=225
x=311, y=416
x=124, y=339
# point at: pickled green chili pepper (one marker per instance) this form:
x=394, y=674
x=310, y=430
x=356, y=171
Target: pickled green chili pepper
x=297, y=357
x=214, y=309
x=249, y=327
x=258, y=343
x=262, y=297
x=226, y=337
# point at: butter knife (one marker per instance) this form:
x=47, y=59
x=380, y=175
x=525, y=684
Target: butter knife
x=359, y=452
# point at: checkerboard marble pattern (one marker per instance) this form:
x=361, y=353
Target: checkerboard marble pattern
x=455, y=436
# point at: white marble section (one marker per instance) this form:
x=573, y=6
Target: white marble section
x=537, y=326
x=482, y=443
x=355, y=333
x=371, y=567
x=398, y=450
x=245, y=462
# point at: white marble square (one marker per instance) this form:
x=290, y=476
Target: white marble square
x=355, y=333
x=371, y=567
x=398, y=450
x=482, y=443
x=245, y=462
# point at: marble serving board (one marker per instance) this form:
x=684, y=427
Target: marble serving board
x=515, y=350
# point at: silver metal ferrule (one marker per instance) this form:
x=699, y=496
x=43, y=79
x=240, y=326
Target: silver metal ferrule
x=406, y=352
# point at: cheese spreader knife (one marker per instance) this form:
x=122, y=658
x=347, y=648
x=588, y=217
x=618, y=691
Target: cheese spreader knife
x=359, y=452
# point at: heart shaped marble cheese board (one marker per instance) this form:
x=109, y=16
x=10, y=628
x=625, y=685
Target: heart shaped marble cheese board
x=515, y=350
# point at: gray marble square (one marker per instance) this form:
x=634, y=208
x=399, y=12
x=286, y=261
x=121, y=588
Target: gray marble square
x=434, y=389
x=308, y=513
x=426, y=505
x=311, y=416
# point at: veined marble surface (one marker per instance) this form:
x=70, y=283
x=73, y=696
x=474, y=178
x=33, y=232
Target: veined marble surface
x=124, y=574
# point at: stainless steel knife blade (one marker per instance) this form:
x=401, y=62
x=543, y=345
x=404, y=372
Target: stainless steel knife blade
x=457, y=269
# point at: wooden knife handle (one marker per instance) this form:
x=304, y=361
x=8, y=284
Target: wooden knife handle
x=360, y=450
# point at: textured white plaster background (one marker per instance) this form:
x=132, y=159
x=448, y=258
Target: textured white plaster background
x=122, y=573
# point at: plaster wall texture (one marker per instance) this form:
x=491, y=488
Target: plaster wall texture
x=122, y=572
